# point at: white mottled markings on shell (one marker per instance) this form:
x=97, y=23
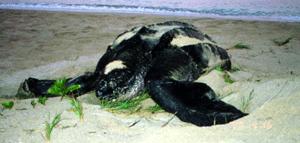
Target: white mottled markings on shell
x=117, y=64
x=210, y=56
x=125, y=36
x=182, y=40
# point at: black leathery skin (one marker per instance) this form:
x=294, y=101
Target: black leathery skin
x=146, y=59
x=200, y=107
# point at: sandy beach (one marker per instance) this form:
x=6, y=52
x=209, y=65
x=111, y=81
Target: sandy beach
x=52, y=45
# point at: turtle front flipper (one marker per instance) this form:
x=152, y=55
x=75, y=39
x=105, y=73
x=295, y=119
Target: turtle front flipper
x=192, y=102
x=33, y=87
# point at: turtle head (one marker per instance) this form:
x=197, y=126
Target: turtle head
x=118, y=82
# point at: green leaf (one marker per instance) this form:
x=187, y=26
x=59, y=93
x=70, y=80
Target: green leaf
x=48, y=131
x=130, y=106
x=241, y=46
x=281, y=42
x=77, y=108
x=49, y=126
x=7, y=104
x=53, y=90
x=42, y=100
x=154, y=109
x=219, y=68
x=60, y=82
x=73, y=88
x=227, y=78
x=33, y=103
x=56, y=120
x=58, y=88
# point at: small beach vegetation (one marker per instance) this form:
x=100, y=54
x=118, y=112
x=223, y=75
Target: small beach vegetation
x=241, y=46
x=7, y=104
x=235, y=68
x=227, y=78
x=77, y=108
x=33, y=103
x=246, y=100
x=42, y=100
x=154, y=109
x=50, y=125
x=59, y=88
x=219, y=68
x=132, y=105
x=281, y=42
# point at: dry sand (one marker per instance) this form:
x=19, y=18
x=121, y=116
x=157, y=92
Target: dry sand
x=52, y=45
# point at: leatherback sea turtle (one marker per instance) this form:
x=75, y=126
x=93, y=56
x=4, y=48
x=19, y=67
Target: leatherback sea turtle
x=165, y=59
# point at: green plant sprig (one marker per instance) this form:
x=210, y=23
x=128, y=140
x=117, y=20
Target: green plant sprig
x=49, y=126
x=77, y=108
x=241, y=46
x=8, y=104
x=219, y=68
x=245, y=101
x=131, y=105
x=42, y=100
x=59, y=88
x=281, y=42
x=227, y=78
x=33, y=103
x=154, y=109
